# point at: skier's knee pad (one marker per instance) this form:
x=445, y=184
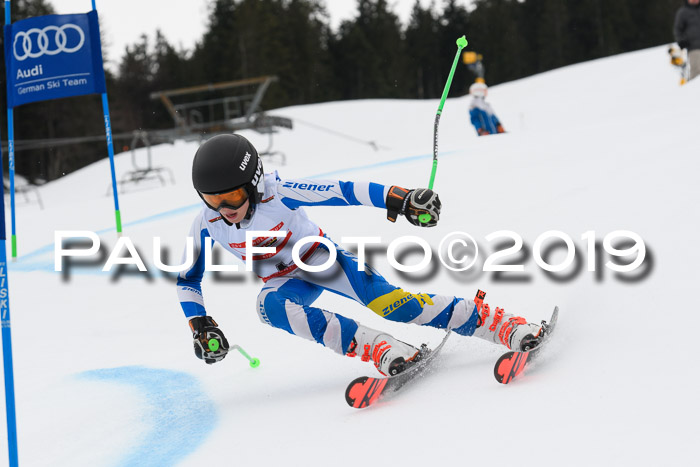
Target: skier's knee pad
x=399, y=305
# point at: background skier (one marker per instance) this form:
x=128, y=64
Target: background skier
x=686, y=30
x=228, y=175
x=482, y=115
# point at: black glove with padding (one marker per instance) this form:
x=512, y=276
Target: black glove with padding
x=210, y=344
x=413, y=204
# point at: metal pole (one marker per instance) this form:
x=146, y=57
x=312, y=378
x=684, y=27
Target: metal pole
x=5, y=299
x=110, y=150
x=11, y=166
x=11, y=154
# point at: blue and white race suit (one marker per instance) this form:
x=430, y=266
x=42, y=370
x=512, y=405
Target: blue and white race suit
x=289, y=292
x=483, y=117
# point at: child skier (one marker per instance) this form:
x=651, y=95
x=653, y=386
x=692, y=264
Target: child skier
x=686, y=29
x=228, y=175
x=482, y=115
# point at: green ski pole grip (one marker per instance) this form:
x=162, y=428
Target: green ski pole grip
x=254, y=362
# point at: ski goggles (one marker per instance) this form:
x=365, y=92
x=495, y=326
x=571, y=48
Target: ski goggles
x=231, y=199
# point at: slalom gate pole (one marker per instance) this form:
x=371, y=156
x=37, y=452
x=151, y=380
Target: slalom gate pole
x=11, y=158
x=9, y=374
x=110, y=151
x=461, y=43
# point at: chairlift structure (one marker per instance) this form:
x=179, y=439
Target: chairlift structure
x=194, y=117
x=236, y=107
x=240, y=110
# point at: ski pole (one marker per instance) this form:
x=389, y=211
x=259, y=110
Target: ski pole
x=213, y=345
x=461, y=43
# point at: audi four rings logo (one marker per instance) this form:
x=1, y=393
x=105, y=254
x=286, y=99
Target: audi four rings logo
x=35, y=42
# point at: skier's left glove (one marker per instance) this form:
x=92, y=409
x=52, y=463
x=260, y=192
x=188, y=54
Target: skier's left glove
x=210, y=344
x=413, y=203
x=500, y=129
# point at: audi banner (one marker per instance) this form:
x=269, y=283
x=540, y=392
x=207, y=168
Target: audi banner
x=53, y=56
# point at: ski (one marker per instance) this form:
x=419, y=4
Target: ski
x=366, y=390
x=512, y=363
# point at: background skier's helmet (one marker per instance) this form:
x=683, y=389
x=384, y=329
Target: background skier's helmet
x=225, y=163
x=478, y=89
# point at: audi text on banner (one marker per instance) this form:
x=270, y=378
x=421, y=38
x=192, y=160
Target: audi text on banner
x=53, y=56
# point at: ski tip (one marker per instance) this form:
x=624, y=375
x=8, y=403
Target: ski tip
x=499, y=369
x=510, y=365
x=364, y=391
x=351, y=391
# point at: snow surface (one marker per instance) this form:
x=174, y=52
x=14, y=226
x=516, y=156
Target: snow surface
x=104, y=368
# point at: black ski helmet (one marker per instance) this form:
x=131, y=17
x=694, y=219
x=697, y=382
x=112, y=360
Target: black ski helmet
x=225, y=163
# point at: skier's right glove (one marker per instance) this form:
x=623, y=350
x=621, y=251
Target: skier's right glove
x=210, y=344
x=483, y=132
x=413, y=203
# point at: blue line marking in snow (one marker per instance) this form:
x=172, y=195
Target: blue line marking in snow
x=49, y=266
x=154, y=217
x=403, y=160
x=181, y=414
x=40, y=251
x=162, y=215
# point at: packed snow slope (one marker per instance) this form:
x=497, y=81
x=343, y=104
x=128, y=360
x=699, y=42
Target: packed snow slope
x=106, y=375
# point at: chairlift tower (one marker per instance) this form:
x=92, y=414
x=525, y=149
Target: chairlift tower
x=235, y=106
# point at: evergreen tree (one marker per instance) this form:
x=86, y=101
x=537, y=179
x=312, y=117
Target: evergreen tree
x=422, y=46
x=252, y=38
x=303, y=61
x=455, y=22
x=370, y=57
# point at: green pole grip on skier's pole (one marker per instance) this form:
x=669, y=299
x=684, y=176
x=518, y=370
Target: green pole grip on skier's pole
x=254, y=362
x=214, y=345
x=461, y=43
